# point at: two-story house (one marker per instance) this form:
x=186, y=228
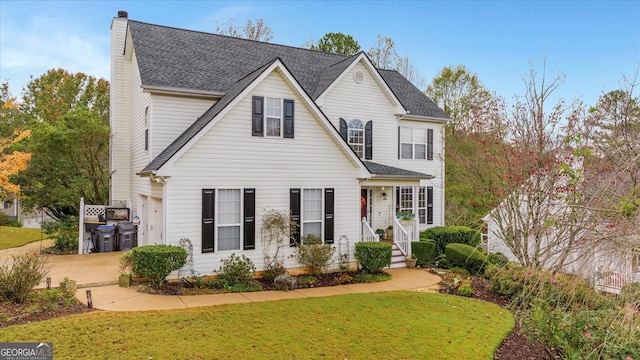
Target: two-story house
x=209, y=132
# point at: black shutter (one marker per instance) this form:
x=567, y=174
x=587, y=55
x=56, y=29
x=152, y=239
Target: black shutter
x=257, y=118
x=328, y=216
x=208, y=213
x=249, y=219
x=399, y=147
x=429, y=204
x=294, y=208
x=288, y=118
x=368, y=140
x=146, y=139
x=429, y=144
x=343, y=129
x=397, y=198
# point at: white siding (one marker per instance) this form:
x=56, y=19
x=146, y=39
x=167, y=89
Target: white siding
x=365, y=101
x=229, y=157
x=120, y=100
x=171, y=116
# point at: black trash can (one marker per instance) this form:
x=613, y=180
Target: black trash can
x=106, y=236
x=126, y=235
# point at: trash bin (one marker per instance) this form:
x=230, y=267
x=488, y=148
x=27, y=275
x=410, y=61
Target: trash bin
x=106, y=236
x=126, y=235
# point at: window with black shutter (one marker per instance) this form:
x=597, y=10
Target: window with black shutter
x=368, y=140
x=429, y=144
x=258, y=116
x=343, y=129
x=249, y=219
x=208, y=213
x=294, y=209
x=328, y=215
x=429, y=204
x=288, y=118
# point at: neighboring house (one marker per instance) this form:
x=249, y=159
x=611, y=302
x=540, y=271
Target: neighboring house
x=209, y=132
x=584, y=245
x=33, y=219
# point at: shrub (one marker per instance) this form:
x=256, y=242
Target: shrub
x=444, y=235
x=497, y=259
x=373, y=256
x=441, y=261
x=237, y=271
x=466, y=256
x=313, y=255
x=465, y=290
x=156, y=262
x=25, y=272
x=424, y=251
x=65, y=233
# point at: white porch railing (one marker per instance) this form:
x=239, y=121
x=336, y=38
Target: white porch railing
x=404, y=232
x=368, y=235
x=613, y=282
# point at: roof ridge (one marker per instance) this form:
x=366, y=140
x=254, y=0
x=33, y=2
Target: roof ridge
x=242, y=39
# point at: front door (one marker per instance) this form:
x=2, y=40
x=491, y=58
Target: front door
x=363, y=203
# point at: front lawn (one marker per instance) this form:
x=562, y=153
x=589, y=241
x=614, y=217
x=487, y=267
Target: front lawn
x=11, y=237
x=392, y=325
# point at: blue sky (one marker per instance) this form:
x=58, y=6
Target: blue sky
x=593, y=43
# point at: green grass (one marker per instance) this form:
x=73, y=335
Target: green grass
x=11, y=237
x=391, y=325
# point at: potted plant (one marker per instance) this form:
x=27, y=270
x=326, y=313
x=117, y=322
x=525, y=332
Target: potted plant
x=411, y=261
x=405, y=215
x=69, y=286
x=380, y=233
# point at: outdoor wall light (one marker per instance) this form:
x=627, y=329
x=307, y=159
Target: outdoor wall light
x=384, y=196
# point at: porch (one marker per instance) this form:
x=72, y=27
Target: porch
x=404, y=232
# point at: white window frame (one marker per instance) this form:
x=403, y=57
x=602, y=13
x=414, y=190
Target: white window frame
x=271, y=112
x=356, y=132
x=406, y=196
x=422, y=204
x=303, y=218
x=218, y=211
x=413, y=140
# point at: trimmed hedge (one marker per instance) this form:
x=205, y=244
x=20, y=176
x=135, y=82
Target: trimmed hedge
x=444, y=235
x=424, y=251
x=156, y=262
x=373, y=256
x=465, y=256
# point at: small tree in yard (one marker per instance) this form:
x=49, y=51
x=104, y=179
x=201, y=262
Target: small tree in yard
x=276, y=228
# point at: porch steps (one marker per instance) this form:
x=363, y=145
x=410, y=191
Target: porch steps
x=397, y=258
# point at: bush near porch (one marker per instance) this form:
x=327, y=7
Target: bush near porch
x=444, y=235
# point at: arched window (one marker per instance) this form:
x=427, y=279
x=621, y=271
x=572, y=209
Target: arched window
x=356, y=137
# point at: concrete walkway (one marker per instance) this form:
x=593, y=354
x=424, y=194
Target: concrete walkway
x=115, y=298
x=99, y=272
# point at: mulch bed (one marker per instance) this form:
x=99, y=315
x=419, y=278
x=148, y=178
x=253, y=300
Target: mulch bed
x=515, y=347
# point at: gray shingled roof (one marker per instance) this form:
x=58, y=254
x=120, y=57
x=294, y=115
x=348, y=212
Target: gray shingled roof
x=185, y=59
x=390, y=171
x=203, y=120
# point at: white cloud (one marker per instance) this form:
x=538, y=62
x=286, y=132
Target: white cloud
x=45, y=42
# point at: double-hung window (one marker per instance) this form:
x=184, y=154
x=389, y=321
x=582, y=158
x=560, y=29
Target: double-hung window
x=356, y=137
x=406, y=143
x=311, y=212
x=274, y=116
x=405, y=199
x=228, y=219
x=415, y=143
